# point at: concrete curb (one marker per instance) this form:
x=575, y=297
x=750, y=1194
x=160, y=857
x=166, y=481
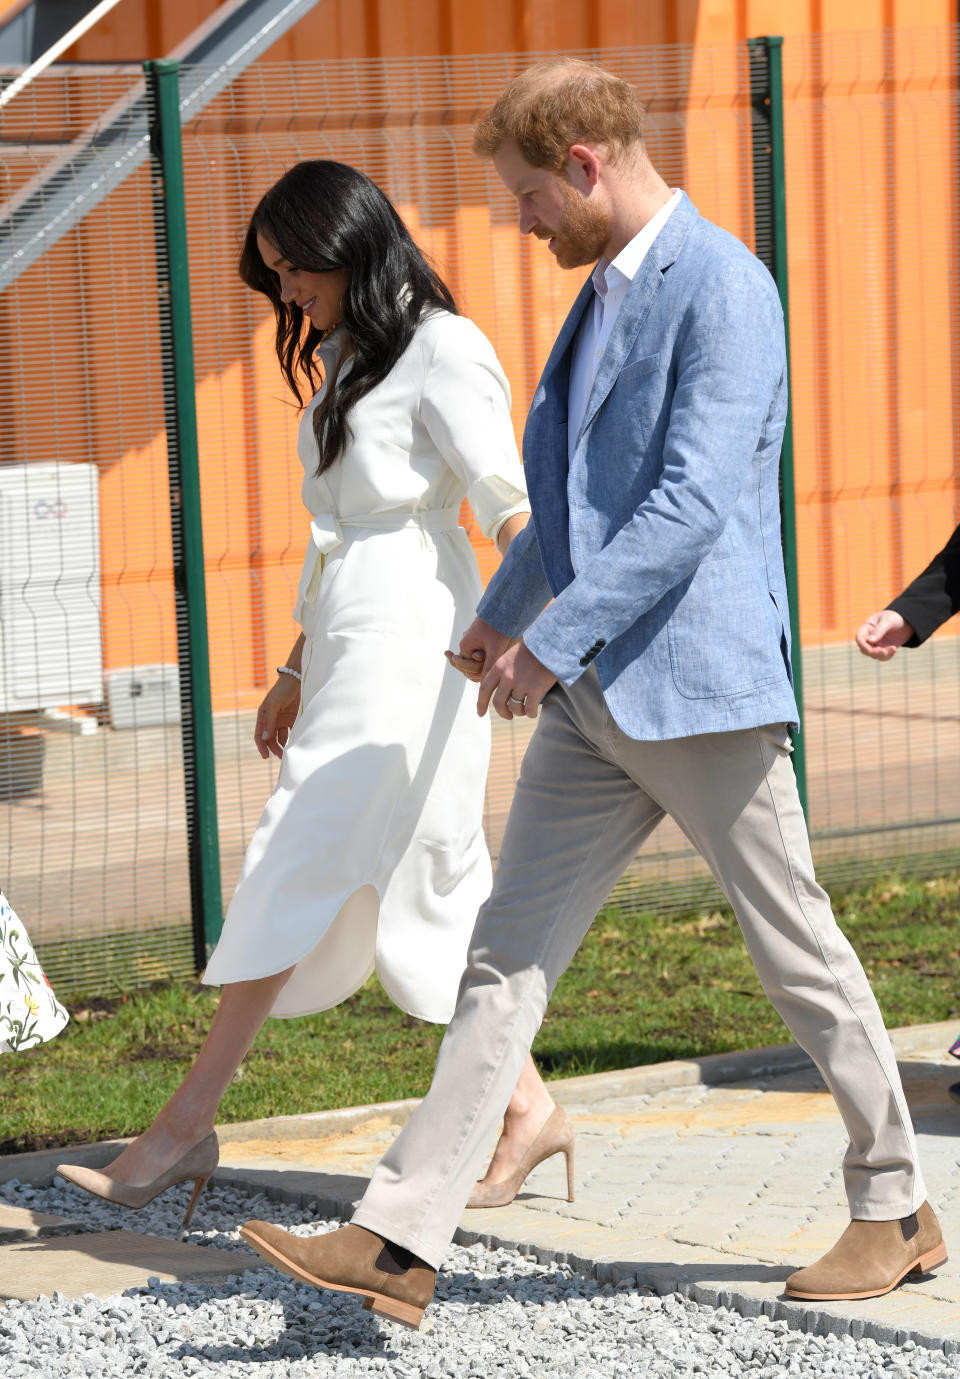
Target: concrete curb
x=661, y=1279
x=666, y=1279
x=712, y=1070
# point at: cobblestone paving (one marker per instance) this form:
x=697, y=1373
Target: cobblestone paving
x=718, y=1192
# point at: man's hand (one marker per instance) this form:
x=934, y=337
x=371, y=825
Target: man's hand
x=514, y=683
x=882, y=634
x=480, y=646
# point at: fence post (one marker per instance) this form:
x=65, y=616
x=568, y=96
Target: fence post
x=173, y=282
x=770, y=233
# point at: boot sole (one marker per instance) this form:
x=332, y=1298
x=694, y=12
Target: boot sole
x=931, y=1260
x=378, y=1303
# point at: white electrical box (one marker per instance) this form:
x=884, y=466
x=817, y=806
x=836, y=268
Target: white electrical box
x=143, y=696
x=50, y=637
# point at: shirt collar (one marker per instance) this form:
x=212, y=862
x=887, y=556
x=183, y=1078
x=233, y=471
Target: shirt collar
x=620, y=272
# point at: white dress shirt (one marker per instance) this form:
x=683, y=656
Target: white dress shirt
x=610, y=281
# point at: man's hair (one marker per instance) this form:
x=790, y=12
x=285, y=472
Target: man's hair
x=553, y=105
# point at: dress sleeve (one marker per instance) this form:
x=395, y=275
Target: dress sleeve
x=465, y=407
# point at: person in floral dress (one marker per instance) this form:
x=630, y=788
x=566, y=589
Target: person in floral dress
x=29, y=1011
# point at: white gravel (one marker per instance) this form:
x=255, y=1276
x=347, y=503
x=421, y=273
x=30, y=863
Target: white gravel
x=496, y=1314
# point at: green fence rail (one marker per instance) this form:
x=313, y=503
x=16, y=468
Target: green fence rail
x=770, y=209
x=186, y=517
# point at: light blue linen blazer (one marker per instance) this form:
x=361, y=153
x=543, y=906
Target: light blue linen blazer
x=659, y=543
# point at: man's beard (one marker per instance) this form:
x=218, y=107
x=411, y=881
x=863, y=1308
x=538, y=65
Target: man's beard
x=583, y=231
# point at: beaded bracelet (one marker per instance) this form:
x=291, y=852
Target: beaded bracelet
x=289, y=670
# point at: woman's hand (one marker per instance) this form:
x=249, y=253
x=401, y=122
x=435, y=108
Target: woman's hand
x=470, y=666
x=882, y=634
x=480, y=646
x=276, y=716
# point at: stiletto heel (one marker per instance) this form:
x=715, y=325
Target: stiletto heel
x=557, y=1136
x=198, y=1163
x=198, y=1187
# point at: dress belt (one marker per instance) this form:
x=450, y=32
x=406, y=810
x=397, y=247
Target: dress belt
x=326, y=534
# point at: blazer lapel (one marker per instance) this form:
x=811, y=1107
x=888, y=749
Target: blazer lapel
x=565, y=339
x=641, y=295
x=548, y=406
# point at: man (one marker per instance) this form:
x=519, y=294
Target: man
x=662, y=664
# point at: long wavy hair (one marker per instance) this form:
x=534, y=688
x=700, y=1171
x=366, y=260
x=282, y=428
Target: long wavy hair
x=320, y=216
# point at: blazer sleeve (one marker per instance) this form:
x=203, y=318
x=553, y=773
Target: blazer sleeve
x=730, y=394
x=518, y=589
x=934, y=596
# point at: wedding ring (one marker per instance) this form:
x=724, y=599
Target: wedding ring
x=512, y=699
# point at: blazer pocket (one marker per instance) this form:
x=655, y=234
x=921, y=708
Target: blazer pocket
x=724, y=633
x=637, y=368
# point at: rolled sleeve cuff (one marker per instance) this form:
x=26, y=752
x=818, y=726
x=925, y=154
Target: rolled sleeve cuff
x=493, y=501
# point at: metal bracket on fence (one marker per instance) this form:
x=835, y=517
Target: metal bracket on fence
x=770, y=236
x=173, y=302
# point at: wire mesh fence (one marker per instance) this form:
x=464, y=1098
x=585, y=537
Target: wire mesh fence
x=409, y=127
x=92, y=831
x=92, y=837
x=872, y=188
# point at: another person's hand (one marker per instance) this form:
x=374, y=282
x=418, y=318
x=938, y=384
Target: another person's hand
x=276, y=716
x=470, y=666
x=515, y=683
x=480, y=646
x=883, y=634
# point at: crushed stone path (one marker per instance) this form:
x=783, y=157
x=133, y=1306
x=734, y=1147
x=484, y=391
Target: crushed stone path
x=699, y=1187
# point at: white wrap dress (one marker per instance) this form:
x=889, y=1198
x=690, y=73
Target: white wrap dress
x=370, y=853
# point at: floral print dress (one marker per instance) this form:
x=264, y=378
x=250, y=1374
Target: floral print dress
x=29, y=1011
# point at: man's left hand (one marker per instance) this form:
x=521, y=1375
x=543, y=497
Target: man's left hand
x=515, y=684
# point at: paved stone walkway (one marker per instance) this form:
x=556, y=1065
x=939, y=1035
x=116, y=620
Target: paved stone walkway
x=715, y=1178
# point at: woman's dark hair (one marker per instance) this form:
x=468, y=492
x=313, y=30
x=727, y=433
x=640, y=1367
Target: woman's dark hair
x=320, y=216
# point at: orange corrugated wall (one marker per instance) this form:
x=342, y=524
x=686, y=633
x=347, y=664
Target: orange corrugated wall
x=830, y=603
x=139, y=29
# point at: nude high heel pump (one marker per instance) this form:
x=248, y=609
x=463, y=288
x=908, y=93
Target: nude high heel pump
x=198, y=1163
x=556, y=1137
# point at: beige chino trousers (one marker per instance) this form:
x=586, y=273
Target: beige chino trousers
x=587, y=798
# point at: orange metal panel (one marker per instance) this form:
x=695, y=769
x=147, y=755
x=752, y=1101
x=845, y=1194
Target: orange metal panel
x=400, y=28
x=871, y=244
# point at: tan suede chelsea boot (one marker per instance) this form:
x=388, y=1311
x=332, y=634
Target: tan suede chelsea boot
x=392, y=1282
x=871, y=1257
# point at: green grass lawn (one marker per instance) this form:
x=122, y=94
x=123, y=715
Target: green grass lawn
x=641, y=989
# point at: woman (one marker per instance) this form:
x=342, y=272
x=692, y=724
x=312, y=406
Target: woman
x=370, y=853
x=29, y=1011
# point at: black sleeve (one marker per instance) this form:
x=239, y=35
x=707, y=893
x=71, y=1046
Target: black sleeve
x=934, y=596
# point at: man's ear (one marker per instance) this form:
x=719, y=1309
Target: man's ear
x=582, y=167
